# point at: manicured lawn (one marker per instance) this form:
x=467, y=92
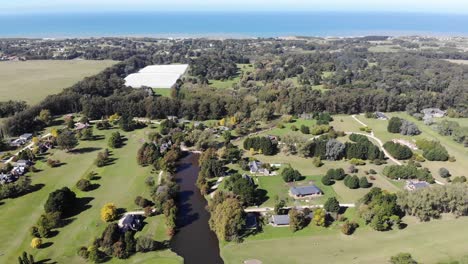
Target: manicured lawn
x=276, y=187
x=166, y=92
x=454, y=149
x=287, y=128
x=428, y=243
x=119, y=183
x=32, y=81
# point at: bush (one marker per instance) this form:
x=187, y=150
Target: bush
x=36, y=242
x=294, y=128
x=146, y=244
x=83, y=185
x=305, y=129
x=363, y=183
x=357, y=162
x=403, y=258
x=432, y=150
x=444, y=173
x=336, y=174
x=115, y=140
x=142, y=202
x=348, y=228
x=53, y=163
x=289, y=174
x=398, y=151
x=407, y=172
x=83, y=252
x=327, y=180
x=394, y=125
x=317, y=162
x=351, y=182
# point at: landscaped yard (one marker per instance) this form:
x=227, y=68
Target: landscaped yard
x=119, y=183
x=430, y=242
x=32, y=81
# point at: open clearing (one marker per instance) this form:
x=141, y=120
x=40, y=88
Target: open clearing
x=32, y=81
x=119, y=183
x=430, y=242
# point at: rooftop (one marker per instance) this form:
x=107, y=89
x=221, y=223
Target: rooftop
x=305, y=190
x=280, y=219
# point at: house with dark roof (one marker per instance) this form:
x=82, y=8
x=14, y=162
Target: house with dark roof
x=416, y=185
x=131, y=222
x=299, y=192
x=381, y=116
x=279, y=220
x=257, y=168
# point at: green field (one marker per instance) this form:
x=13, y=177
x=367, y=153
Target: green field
x=32, y=81
x=166, y=92
x=430, y=242
x=228, y=84
x=119, y=183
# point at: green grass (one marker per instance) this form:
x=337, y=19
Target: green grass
x=165, y=92
x=32, y=81
x=428, y=243
x=228, y=84
x=287, y=128
x=276, y=187
x=454, y=149
x=120, y=183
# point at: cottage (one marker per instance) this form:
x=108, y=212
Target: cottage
x=131, y=222
x=433, y=112
x=305, y=191
x=380, y=116
x=26, y=136
x=256, y=167
x=279, y=220
x=80, y=126
x=416, y=185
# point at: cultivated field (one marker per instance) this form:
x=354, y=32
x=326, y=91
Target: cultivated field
x=32, y=81
x=119, y=183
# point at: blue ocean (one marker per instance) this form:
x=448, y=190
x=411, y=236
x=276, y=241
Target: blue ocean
x=230, y=24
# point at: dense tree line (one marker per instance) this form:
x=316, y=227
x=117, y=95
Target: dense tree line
x=10, y=108
x=263, y=145
x=409, y=171
x=432, y=150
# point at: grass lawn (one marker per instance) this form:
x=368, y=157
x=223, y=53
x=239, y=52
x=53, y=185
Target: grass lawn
x=32, y=81
x=287, y=128
x=119, y=183
x=454, y=149
x=275, y=186
x=429, y=242
x=165, y=92
x=228, y=84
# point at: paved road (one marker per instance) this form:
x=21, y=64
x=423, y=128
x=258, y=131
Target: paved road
x=27, y=147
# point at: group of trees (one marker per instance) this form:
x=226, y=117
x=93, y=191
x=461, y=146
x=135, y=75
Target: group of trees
x=227, y=216
x=354, y=182
x=454, y=130
x=290, y=175
x=333, y=175
x=409, y=171
x=10, y=108
x=380, y=209
x=398, y=151
x=432, y=150
x=242, y=187
x=148, y=154
x=430, y=203
x=263, y=145
x=402, y=126
x=15, y=189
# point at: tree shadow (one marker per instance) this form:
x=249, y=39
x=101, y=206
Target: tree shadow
x=93, y=187
x=98, y=137
x=121, y=212
x=81, y=204
x=54, y=233
x=46, y=261
x=261, y=196
x=84, y=150
x=33, y=188
x=46, y=244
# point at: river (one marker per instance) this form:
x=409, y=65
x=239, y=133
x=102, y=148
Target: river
x=194, y=240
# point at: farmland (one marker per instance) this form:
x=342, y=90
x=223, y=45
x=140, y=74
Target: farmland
x=32, y=81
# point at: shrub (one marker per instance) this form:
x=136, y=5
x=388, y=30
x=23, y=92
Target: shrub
x=289, y=174
x=36, y=242
x=444, y=173
x=394, y=125
x=53, y=163
x=357, y=162
x=407, y=172
x=83, y=185
x=108, y=212
x=403, y=258
x=83, y=252
x=317, y=162
x=294, y=128
x=398, y=151
x=146, y=244
x=115, y=140
x=372, y=171
x=348, y=228
x=332, y=205
x=327, y=180
x=432, y=150
x=351, y=182
x=363, y=183
x=336, y=174
x=305, y=129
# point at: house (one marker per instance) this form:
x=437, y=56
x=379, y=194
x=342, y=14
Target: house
x=80, y=126
x=279, y=220
x=299, y=192
x=380, y=116
x=162, y=189
x=23, y=163
x=131, y=222
x=273, y=138
x=7, y=178
x=432, y=112
x=251, y=221
x=17, y=142
x=26, y=136
x=18, y=171
x=416, y=185
x=256, y=168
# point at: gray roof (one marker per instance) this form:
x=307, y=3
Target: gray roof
x=255, y=166
x=305, y=190
x=380, y=114
x=280, y=219
x=419, y=185
x=251, y=221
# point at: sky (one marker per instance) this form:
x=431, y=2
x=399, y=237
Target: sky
x=47, y=6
